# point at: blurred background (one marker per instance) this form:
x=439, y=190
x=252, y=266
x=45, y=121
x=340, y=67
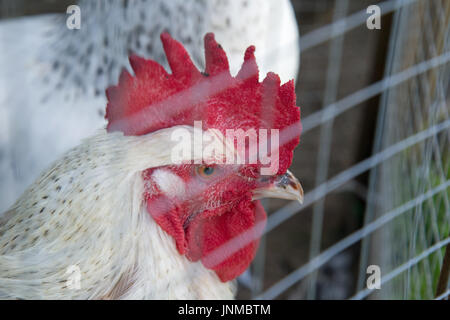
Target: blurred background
x=374, y=156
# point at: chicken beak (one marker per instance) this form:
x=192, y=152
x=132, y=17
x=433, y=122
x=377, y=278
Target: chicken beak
x=285, y=186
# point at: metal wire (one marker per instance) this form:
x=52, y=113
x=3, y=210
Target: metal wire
x=331, y=91
x=418, y=102
x=319, y=192
x=354, y=99
x=346, y=24
x=372, y=194
x=414, y=97
x=345, y=243
x=406, y=266
x=444, y=295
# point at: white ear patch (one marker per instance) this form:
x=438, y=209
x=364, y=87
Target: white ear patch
x=169, y=183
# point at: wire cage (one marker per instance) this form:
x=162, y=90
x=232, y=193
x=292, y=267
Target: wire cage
x=374, y=156
x=406, y=220
x=416, y=177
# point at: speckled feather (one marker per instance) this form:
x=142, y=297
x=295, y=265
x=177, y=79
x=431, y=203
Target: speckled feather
x=88, y=210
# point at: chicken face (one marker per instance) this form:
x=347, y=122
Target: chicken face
x=205, y=207
x=211, y=210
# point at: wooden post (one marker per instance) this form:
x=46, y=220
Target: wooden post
x=445, y=273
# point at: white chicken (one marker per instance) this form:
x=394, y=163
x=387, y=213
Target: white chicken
x=52, y=79
x=133, y=222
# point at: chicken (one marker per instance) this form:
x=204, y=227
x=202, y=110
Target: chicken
x=135, y=222
x=53, y=79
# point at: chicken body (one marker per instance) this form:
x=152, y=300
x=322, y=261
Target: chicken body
x=87, y=214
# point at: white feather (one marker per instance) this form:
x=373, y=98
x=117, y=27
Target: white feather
x=88, y=211
x=169, y=183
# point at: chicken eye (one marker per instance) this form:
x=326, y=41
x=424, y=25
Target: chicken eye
x=205, y=171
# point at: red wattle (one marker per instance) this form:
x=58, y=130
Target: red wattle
x=227, y=243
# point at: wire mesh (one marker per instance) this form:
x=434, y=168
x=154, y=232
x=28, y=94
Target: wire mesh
x=420, y=102
x=407, y=217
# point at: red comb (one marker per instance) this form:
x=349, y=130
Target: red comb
x=154, y=99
